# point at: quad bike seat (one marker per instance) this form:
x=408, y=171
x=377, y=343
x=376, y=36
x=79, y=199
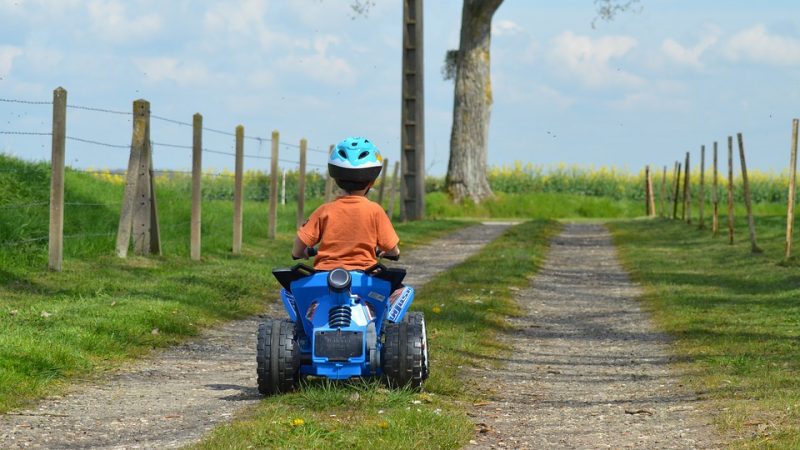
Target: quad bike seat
x=286, y=276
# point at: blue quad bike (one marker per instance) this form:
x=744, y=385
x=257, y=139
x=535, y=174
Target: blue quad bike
x=342, y=324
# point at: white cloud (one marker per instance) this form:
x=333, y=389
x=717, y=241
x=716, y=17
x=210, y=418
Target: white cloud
x=321, y=66
x=658, y=96
x=170, y=69
x=505, y=27
x=589, y=59
x=7, y=55
x=757, y=45
x=690, y=56
x=233, y=22
x=111, y=20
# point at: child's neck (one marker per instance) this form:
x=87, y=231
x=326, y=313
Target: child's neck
x=358, y=193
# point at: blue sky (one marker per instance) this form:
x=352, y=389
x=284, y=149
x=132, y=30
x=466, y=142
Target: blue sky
x=643, y=89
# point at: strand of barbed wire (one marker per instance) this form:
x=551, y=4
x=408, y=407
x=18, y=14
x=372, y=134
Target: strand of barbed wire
x=156, y=117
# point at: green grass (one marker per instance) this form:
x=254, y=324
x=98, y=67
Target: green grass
x=464, y=308
x=533, y=205
x=102, y=310
x=735, y=317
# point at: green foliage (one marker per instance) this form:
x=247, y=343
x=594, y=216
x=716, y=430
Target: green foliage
x=617, y=184
x=532, y=206
x=734, y=316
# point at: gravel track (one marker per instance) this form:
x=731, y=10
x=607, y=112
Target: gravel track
x=175, y=396
x=588, y=370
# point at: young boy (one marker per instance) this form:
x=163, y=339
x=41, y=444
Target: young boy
x=350, y=228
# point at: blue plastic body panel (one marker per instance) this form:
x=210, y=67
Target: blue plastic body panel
x=369, y=301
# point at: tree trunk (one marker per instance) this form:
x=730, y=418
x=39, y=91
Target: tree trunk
x=472, y=104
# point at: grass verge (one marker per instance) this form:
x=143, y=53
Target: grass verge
x=735, y=317
x=465, y=308
x=101, y=310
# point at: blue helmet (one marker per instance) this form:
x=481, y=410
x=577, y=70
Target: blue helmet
x=355, y=160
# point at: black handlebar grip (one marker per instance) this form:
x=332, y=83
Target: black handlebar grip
x=312, y=251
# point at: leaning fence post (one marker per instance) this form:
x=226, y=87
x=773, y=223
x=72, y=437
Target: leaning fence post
x=393, y=189
x=58, y=150
x=702, y=197
x=792, y=185
x=139, y=140
x=730, y=190
x=301, y=184
x=715, y=196
x=687, y=192
x=238, y=186
x=677, y=190
x=197, y=176
x=273, y=186
x=748, y=201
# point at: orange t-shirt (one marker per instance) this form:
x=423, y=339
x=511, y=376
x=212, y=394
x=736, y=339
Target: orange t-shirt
x=348, y=229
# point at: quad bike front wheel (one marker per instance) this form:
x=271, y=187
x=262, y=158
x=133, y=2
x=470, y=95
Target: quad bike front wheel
x=404, y=355
x=277, y=356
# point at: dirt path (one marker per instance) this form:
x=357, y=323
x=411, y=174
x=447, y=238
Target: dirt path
x=589, y=370
x=174, y=397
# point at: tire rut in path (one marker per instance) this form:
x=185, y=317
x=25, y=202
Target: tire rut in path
x=179, y=394
x=588, y=369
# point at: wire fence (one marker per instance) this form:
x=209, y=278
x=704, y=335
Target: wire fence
x=258, y=186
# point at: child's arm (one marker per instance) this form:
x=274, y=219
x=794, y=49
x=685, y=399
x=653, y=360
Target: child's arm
x=393, y=252
x=299, y=249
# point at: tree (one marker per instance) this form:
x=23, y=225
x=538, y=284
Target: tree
x=472, y=100
x=472, y=103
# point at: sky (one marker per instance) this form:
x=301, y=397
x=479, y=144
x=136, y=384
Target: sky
x=643, y=89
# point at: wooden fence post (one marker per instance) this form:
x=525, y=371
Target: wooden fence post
x=138, y=215
x=748, y=201
x=273, y=186
x=715, y=196
x=329, y=183
x=238, y=187
x=791, y=198
x=283, y=186
x=650, y=208
x=663, y=192
x=197, y=193
x=58, y=150
x=730, y=190
x=393, y=189
x=702, y=197
x=677, y=190
x=155, y=229
x=301, y=184
x=383, y=181
x=686, y=212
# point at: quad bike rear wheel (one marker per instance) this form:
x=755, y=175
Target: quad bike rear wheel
x=404, y=355
x=277, y=356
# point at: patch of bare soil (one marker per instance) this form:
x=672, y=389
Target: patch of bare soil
x=177, y=395
x=589, y=370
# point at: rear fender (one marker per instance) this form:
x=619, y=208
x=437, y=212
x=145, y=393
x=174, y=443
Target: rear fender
x=289, y=304
x=399, y=302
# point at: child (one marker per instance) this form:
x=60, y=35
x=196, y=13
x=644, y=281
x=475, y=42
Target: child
x=350, y=228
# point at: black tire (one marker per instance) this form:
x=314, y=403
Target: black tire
x=417, y=318
x=404, y=352
x=277, y=356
